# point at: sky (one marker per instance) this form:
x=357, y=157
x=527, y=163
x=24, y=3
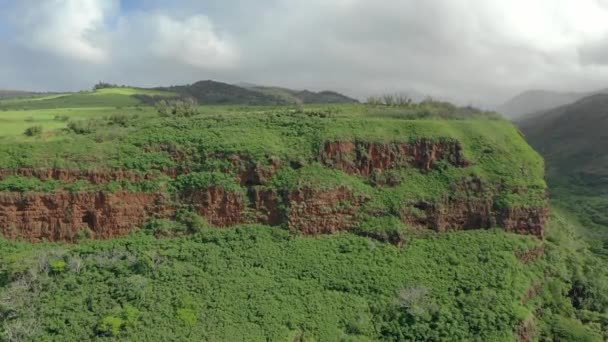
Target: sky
x=478, y=52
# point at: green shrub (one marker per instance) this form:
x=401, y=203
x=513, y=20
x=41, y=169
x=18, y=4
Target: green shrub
x=24, y=184
x=130, y=315
x=191, y=221
x=62, y=118
x=110, y=326
x=83, y=126
x=57, y=266
x=177, y=108
x=163, y=227
x=386, y=229
x=202, y=180
x=184, y=222
x=119, y=120
x=188, y=316
x=33, y=131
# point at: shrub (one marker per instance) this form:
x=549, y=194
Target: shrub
x=195, y=181
x=62, y=118
x=385, y=229
x=119, y=120
x=82, y=127
x=110, y=326
x=33, y=131
x=184, y=222
x=191, y=221
x=186, y=107
x=57, y=266
x=130, y=315
x=188, y=316
x=393, y=100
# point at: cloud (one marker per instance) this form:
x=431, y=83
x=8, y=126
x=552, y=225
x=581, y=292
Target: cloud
x=472, y=51
x=69, y=28
x=192, y=41
x=469, y=50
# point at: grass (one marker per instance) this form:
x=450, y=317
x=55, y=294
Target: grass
x=133, y=91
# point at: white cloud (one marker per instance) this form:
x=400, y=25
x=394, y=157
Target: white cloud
x=94, y=31
x=68, y=28
x=192, y=41
x=469, y=50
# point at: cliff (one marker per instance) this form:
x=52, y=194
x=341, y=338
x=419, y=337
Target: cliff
x=311, y=172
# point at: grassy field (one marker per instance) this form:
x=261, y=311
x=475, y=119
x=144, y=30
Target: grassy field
x=106, y=98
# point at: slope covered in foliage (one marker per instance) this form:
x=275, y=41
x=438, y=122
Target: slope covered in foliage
x=392, y=183
x=572, y=140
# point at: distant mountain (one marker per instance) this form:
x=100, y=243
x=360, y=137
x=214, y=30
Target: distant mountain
x=573, y=136
x=304, y=96
x=5, y=94
x=537, y=101
x=213, y=92
x=574, y=141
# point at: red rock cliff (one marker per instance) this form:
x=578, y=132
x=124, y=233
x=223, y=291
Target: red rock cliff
x=363, y=157
x=62, y=216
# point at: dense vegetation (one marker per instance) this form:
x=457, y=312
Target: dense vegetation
x=260, y=283
x=184, y=280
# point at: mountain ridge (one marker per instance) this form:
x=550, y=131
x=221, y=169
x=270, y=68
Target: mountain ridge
x=534, y=102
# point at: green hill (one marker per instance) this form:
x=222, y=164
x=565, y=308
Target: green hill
x=303, y=96
x=572, y=140
x=109, y=97
x=328, y=222
x=6, y=94
x=212, y=92
x=205, y=92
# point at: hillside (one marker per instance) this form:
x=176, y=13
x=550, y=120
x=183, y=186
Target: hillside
x=535, y=102
x=110, y=97
x=572, y=139
x=6, y=94
x=212, y=92
x=205, y=92
x=303, y=96
x=328, y=222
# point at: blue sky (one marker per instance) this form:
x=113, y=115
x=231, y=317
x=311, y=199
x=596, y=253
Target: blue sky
x=472, y=51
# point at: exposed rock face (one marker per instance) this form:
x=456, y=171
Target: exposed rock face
x=453, y=215
x=313, y=211
x=474, y=208
x=531, y=255
x=363, y=158
x=61, y=216
x=220, y=207
x=524, y=220
x=526, y=331
x=257, y=174
x=266, y=205
x=476, y=214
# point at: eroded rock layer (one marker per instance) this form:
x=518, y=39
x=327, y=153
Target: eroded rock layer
x=305, y=208
x=62, y=216
x=362, y=157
